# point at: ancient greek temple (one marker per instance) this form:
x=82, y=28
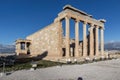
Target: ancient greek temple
x=50, y=43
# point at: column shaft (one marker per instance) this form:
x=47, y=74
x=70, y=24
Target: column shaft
x=25, y=45
x=84, y=40
x=18, y=48
x=102, y=41
x=96, y=41
x=77, y=39
x=91, y=41
x=67, y=36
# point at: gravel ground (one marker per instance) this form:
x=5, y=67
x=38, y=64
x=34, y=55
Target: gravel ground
x=104, y=70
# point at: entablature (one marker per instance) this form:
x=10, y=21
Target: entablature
x=79, y=15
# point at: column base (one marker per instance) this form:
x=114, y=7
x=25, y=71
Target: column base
x=102, y=57
x=92, y=56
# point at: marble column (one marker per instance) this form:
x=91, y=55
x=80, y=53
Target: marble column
x=25, y=45
x=67, y=19
x=77, y=38
x=102, y=41
x=91, y=41
x=96, y=41
x=18, y=47
x=84, y=40
x=71, y=52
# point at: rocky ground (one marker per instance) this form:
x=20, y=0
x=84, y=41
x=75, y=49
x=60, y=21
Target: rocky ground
x=104, y=70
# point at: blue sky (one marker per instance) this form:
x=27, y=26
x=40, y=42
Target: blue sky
x=20, y=18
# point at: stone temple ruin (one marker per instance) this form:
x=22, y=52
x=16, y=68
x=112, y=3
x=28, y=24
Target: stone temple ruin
x=50, y=44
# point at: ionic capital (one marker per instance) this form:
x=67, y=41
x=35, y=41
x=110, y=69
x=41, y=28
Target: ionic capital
x=102, y=28
x=67, y=17
x=77, y=20
x=91, y=25
x=97, y=27
x=85, y=22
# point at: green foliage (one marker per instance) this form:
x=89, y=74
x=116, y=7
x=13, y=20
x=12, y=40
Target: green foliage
x=28, y=65
x=43, y=63
x=16, y=67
